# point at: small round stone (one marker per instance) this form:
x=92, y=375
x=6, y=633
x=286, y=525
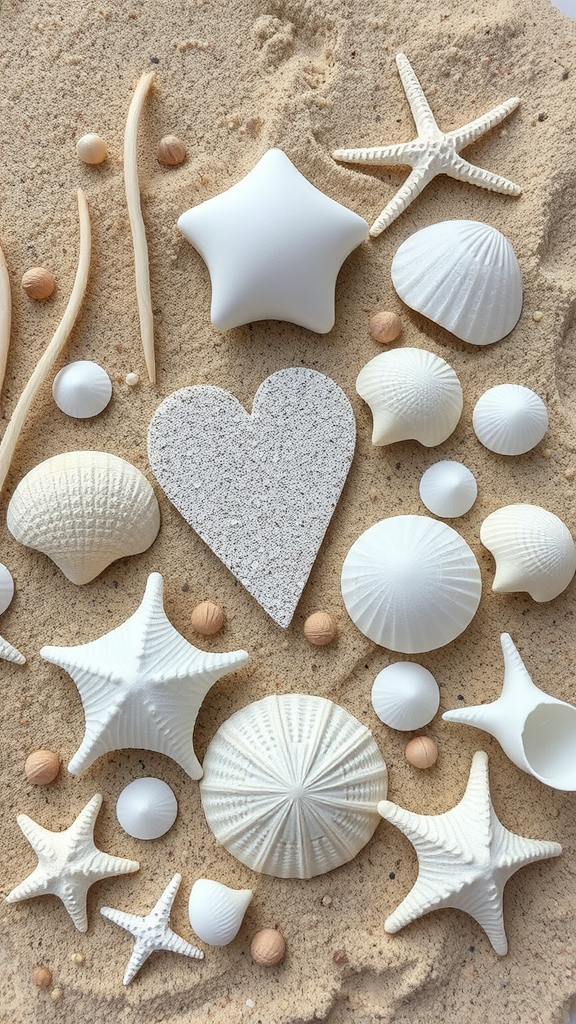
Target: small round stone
x=320, y=629
x=42, y=767
x=385, y=327
x=268, y=947
x=91, y=149
x=42, y=977
x=132, y=379
x=77, y=958
x=56, y=994
x=171, y=151
x=421, y=752
x=538, y=316
x=38, y=283
x=207, y=618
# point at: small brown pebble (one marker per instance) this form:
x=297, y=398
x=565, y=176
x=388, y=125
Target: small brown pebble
x=171, y=151
x=42, y=767
x=42, y=977
x=207, y=618
x=56, y=994
x=538, y=316
x=320, y=629
x=570, y=474
x=91, y=149
x=340, y=956
x=268, y=947
x=385, y=327
x=421, y=752
x=77, y=958
x=38, y=283
x=326, y=901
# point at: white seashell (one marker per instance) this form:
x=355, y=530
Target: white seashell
x=82, y=389
x=510, y=419
x=405, y=696
x=411, y=583
x=146, y=808
x=291, y=784
x=463, y=275
x=448, y=489
x=533, y=550
x=413, y=394
x=6, y=588
x=84, y=510
x=216, y=911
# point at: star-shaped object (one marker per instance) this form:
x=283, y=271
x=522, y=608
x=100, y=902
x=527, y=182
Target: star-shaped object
x=68, y=863
x=432, y=152
x=9, y=653
x=273, y=245
x=152, y=933
x=465, y=858
x=142, y=685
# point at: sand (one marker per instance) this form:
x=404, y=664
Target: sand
x=233, y=80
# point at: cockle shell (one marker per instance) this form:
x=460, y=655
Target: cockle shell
x=463, y=275
x=146, y=808
x=216, y=911
x=413, y=394
x=510, y=419
x=6, y=588
x=411, y=583
x=84, y=510
x=82, y=389
x=533, y=550
x=405, y=696
x=291, y=785
x=448, y=489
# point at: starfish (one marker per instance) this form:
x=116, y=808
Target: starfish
x=9, y=653
x=68, y=863
x=152, y=933
x=432, y=152
x=465, y=858
x=142, y=685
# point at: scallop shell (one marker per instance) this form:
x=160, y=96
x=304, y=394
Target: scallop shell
x=411, y=583
x=510, y=419
x=146, y=808
x=533, y=551
x=405, y=696
x=463, y=275
x=448, y=489
x=6, y=588
x=216, y=911
x=82, y=389
x=413, y=394
x=291, y=784
x=84, y=510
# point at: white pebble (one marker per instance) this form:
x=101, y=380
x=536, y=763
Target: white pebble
x=132, y=379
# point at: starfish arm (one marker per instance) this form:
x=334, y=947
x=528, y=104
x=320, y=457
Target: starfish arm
x=73, y=893
x=41, y=839
x=401, y=153
x=414, y=184
x=170, y=942
x=9, y=653
x=129, y=922
x=36, y=884
x=421, y=112
x=468, y=134
x=483, y=901
x=440, y=836
x=83, y=825
x=432, y=890
x=463, y=171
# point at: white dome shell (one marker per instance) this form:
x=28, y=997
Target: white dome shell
x=405, y=696
x=82, y=389
x=448, y=489
x=291, y=784
x=463, y=275
x=6, y=588
x=411, y=584
x=510, y=419
x=533, y=550
x=146, y=808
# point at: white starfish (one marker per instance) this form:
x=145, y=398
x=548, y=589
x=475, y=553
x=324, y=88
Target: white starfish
x=465, y=858
x=432, y=152
x=142, y=685
x=9, y=653
x=152, y=933
x=68, y=863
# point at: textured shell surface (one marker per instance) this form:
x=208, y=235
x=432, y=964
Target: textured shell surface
x=82, y=389
x=291, y=785
x=463, y=275
x=533, y=550
x=411, y=583
x=146, y=808
x=448, y=489
x=216, y=911
x=6, y=588
x=405, y=696
x=84, y=509
x=510, y=419
x=413, y=395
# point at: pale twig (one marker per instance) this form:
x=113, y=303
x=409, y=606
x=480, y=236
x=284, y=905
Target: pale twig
x=5, y=315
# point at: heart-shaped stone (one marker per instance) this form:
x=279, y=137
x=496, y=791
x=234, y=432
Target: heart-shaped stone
x=260, y=488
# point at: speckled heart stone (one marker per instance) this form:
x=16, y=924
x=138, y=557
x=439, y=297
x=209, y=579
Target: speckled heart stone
x=260, y=488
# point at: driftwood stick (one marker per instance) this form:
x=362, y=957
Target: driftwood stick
x=5, y=315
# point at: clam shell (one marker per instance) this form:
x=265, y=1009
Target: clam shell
x=216, y=911
x=448, y=489
x=84, y=510
x=463, y=275
x=291, y=785
x=533, y=550
x=146, y=808
x=6, y=588
x=82, y=389
x=405, y=696
x=413, y=394
x=411, y=583
x=510, y=419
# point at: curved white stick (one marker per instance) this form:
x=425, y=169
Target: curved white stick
x=5, y=315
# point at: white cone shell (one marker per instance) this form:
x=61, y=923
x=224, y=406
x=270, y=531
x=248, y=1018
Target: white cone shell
x=448, y=489
x=533, y=550
x=291, y=785
x=405, y=696
x=84, y=510
x=463, y=275
x=411, y=583
x=146, y=808
x=82, y=389
x=216, y=911
x=6, y=588
x=510, y=419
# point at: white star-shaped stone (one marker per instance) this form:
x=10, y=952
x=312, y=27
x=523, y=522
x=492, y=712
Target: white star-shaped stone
x=273, y=245
x=68, y=863
x=142, y=685
x=465, y=858
x=152, y=933
x=432, y=152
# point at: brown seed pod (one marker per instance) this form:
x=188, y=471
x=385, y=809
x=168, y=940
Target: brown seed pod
x=91, y=149
x=42, y=767
x=171, y=151
x=38, y=283
x=42, y=977
x=385, y=327
x=320, y=629
x=207, y=618
x=421, y=752
x=268, y=947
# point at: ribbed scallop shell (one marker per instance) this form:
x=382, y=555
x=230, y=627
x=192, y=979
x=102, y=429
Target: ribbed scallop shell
x=413, y=394
x=411, y=583
x=463, y=275
x=510, y=419
x=146, y=808
x=216, y=911
x=291, y=785
x=533, y=550
x=82, y=389
x=405, y=696
x=84, y=510
x=6, y=588
x=448, y=489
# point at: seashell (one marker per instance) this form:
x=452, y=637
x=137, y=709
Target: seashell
x=463, y=275
x=413, y=395
x=84, y=510
x=82, y=389
x=6, y=588
x=216, y=911
x=146, y=808
x=510, y=419
x=411, y=583
x=291, y=784
x=448, y=489
x=533, y=550
x=405, y=696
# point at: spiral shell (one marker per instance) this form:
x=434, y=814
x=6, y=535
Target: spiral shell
x=533, y=550
x=510, y=419
x=216, y=911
